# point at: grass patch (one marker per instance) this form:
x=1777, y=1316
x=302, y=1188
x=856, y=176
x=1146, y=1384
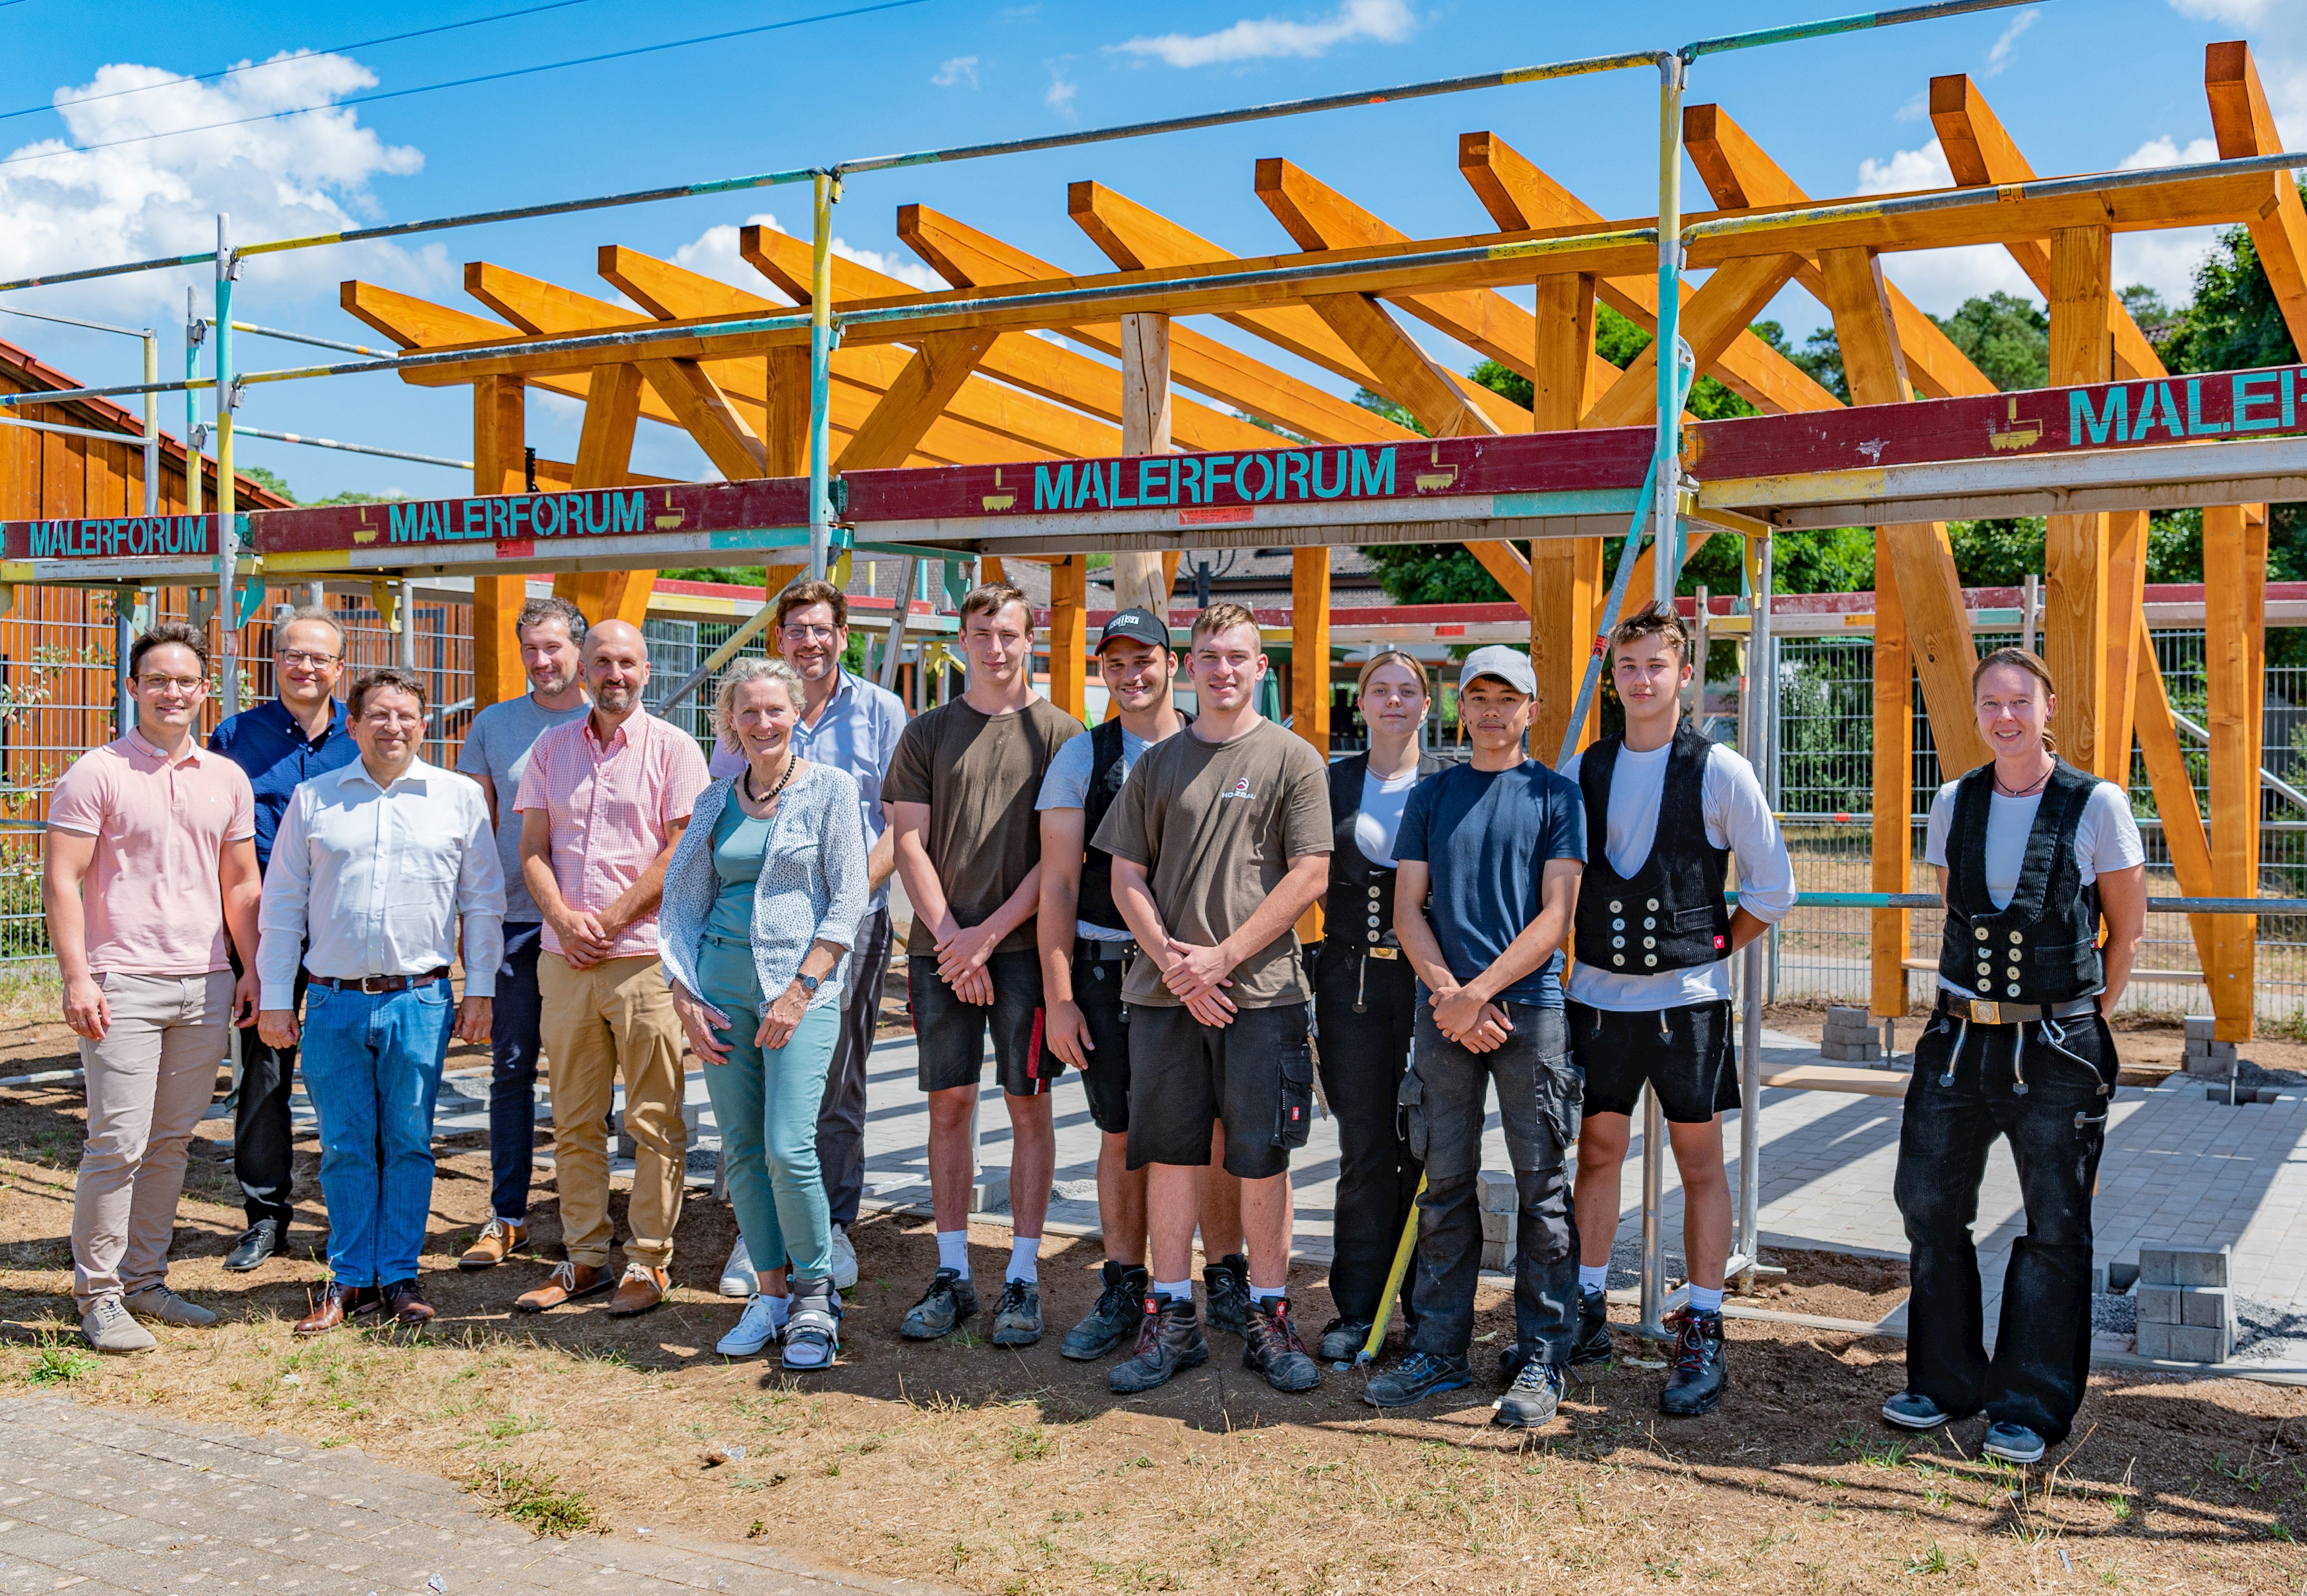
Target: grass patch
x=534, y=1499
x=56, y=1364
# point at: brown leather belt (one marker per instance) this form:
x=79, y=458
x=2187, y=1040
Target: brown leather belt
x=1981, y=1012
x=375, y=985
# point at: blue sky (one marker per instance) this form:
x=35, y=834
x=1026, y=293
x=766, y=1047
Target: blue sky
x=2083, y=85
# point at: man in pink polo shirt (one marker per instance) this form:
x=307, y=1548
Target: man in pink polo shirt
x=150, y=858
x=602, y=804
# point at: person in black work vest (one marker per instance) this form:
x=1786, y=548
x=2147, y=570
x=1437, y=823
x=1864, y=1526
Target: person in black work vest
x=1366, y=997
x=1650, y=987
x=2031, y=852
x=1084, y=948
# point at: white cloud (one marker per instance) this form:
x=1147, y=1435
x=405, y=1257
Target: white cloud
x=960, y=69
x=2165, y=262
x=1999, y=57
x=69, y=205
x=1906, y=171
x=1939, y=280
x=2165, y=152
x=1918, y=106
x=1062, y=90
x=1387, y=22
x=713, y=253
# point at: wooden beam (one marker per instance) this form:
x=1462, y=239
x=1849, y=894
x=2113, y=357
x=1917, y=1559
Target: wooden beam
x=1711, y=321
x=1406, y=371
x=968, y=258
x=935, y=373
x=1069, y=634
x=1892, y=846
x=2244, y=126
x=499, y=421
x=604, y=450
x=2235, y=583
x=1565, y=573
x=1739, y=175
x=1518, y=196
x=1146, y=413
x=785, y=418
x=2075, y=563
x=1309, y=646
x=704, y=414
x=2126, y=594
x=413, y=324
x=2174, y=786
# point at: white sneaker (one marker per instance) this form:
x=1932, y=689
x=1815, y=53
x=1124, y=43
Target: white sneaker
x=737, y=1277
x=844, y=1259
x=755, y=1330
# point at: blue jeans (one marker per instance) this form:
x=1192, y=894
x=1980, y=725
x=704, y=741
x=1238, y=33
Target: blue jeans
x=767, y=1105
x=372, y=1067
x=512, y=1075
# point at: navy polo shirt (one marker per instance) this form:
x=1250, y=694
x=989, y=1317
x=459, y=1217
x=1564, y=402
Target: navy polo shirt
x=268, y=744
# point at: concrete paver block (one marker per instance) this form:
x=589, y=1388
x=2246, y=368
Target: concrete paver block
x=1496, y=1188
x=2184, y=1344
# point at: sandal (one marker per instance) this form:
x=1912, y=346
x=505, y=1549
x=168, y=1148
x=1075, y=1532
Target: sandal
x=814, y=1328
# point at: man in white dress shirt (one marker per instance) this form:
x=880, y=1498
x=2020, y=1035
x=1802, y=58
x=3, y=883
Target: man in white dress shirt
x=373, y=868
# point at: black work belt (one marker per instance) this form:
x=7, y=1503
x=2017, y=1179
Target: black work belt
x=381, y=983
x=1347, y=945
x=1089, y=947
x=1979, y=1012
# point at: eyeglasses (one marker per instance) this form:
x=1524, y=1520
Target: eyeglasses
x=304, y=656
x=801, y=633
x=186, y=685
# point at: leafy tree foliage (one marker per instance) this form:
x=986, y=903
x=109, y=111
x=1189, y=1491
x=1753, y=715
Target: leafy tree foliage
x=2007, y=338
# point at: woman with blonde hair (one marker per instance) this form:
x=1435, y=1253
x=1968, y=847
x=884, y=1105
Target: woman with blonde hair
x=1365, y=994
x=762, y=898
x=2031, y=852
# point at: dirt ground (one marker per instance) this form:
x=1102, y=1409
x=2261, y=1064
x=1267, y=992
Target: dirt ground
x=1017, y=1472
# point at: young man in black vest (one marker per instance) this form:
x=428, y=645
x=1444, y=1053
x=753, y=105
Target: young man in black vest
x=2030, y=852
x=1649, y=988
x=1085, y=949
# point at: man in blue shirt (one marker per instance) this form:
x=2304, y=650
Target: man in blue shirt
x=1500, y=843
x=299, y=734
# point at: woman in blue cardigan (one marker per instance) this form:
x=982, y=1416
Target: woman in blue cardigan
x=763, y=897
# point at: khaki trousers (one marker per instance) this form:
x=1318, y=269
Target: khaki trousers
x=617, y=1016
x=148, y=1082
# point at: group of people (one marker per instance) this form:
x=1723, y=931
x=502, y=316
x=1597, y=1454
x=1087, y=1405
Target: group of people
x=1122, y=901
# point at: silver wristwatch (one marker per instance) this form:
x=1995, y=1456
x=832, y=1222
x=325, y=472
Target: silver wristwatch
x=808, y=984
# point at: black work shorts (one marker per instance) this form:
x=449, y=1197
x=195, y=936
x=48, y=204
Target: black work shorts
x=1097, y=993
x=1255, y=1073
x=1683, y=1053
x=949, y=1034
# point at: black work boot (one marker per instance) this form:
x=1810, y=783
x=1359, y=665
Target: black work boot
x=1227, y=1282
x=949, y=1303
x=1698, y=1377
x=1114, y=1320
x=1169, y=1339
x=1593, y=1342
x=1269, y=1345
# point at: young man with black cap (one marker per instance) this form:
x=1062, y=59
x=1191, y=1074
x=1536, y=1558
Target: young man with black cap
x=1489, y=855
x=1649, y=990
x=1085, y=948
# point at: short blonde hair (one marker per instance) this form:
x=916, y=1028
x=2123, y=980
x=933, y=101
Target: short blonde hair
x=740, y=673
x=1222, y=616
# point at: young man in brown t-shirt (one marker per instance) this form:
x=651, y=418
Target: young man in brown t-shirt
x=1221, y=839
x=960, y=796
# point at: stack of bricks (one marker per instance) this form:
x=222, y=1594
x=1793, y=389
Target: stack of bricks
x=2186, y=1311
x=2207, y=1057
x=1500, y=1208
x=1850, y=1037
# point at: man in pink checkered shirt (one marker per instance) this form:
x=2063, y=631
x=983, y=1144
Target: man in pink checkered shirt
x=602, y=802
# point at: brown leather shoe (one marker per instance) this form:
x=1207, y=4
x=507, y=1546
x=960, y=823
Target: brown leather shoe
x=498, y=1241
x=405, y=1303
x=338, y=1304
x=566, y=1284
x=641, y=1289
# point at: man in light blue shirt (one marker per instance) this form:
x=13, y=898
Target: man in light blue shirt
x=849, y=724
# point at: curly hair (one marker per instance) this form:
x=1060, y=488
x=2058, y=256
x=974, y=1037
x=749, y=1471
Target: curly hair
x=741, y=672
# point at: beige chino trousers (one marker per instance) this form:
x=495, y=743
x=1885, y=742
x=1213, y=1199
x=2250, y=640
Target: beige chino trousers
x=148, y=1082
x=615, y=1016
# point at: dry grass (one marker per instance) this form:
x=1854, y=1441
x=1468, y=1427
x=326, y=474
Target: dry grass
x=1018, y=1473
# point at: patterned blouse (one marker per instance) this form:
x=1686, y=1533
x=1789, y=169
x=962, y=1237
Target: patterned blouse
x=811, y=888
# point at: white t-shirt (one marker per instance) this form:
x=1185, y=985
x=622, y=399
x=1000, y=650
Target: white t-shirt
x=1380, y=820
x=1738, y=817
x=1066, y=785
x=2106, y=838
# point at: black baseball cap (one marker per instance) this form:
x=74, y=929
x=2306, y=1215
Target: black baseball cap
x=1138, y=625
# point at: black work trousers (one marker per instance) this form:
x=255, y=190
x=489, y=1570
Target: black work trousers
x=1364, y=1011
x=263, y=1147
x=2046, y=1086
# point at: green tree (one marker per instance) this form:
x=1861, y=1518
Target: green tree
x=2007, y=338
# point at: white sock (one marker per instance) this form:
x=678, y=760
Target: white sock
x=1025, y=1259
x=953, y=1251
x=1267, y=1296
x=1593, y=1277
x=1177, y=1290
x=1706, y=1299
x=779, y=1306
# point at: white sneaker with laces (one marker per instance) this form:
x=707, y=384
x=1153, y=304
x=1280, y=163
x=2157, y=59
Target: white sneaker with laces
x=737, y=1277
x=844, y=1259
x=755, y=1329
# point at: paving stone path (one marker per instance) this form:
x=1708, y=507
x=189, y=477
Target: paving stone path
x=99, y=1499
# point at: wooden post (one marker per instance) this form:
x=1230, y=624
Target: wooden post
x=2075, y=546
x=1137, y=577
x=499, y=421
x=2235, y=583
x=1309, y=672
x=1069, y=633
x=1892, y=845
x=1565, y=573
x=784, y=429
x=604, y=454
x=2126, y=594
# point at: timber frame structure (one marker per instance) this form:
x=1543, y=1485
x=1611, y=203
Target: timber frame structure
x=953, y=425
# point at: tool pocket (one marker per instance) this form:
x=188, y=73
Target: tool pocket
x=1562, y=1098
x=1293, y=1119
x=1409, y=1112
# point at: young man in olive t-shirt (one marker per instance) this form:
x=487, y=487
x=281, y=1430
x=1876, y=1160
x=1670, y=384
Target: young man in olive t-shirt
x=1221, y=840
x=960, y=796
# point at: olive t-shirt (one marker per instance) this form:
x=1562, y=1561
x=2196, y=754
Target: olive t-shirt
x=1216, y=825
x=979, y=774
